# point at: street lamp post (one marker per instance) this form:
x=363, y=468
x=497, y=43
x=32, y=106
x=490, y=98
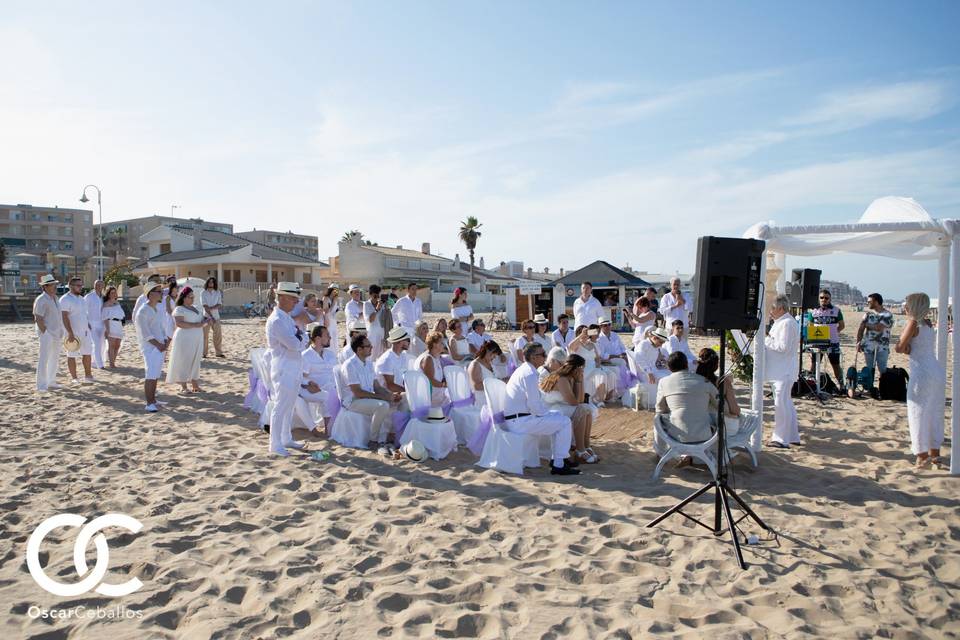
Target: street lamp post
x=84, y=198
x=172, y=207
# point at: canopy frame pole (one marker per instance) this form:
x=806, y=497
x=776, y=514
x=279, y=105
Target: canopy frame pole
x=759, y=351
x=943, y=303
x=955, y=386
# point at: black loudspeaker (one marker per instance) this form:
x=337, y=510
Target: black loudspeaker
x=804, y=288
x=728, y=283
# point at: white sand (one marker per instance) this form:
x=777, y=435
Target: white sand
x=240, y=544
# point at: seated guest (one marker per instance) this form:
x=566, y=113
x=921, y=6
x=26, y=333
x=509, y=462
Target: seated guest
x=441, y=328
x=429, y=363
x=707, y=365
x=393, y=362
x=594, y=380
x=642, y=317
x=563, y=392
x=319, y=361
x=555, y=359
x=564, y=334
x=363, y=394
x=524, y=411
x=541, y=327
x=528, y=328
x=459, y=347
x=678, y=342
x=687, y=401
x=611, y=347
x=477, y=337
x=482, y=368
x=459, y=308
x=650, y=356
x=610, y=372
x=417, y=343
x=354, y=330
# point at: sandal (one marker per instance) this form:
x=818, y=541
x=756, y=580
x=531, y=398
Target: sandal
x=593, y=453
x=923, y=463
x=587, y=458
x=940, y=462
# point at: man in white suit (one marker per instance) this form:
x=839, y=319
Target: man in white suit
x=782, y=347
x=687, y=401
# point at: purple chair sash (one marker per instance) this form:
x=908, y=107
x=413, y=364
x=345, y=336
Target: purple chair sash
x=479, y=438
x=257, y=390
x=333, y=407
x=465, y=402
x=627, y=379
x=402, y=418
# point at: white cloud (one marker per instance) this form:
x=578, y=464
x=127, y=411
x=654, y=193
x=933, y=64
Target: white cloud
x=910, y=101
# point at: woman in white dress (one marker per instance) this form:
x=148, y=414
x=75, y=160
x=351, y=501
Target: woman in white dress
x=594, y=380
x=418, y=345
x=186, y=349
x=331, y=306
x=459, y=308
x=112, y=316
x=169, y=304
x=461, y=351
x=529, y=329
x=926, y=389
x=563, y=392
x=482, y=368
x=429, y=363
x=641, y=318
x=309, y=311
x=373, y=308
x=540, y=335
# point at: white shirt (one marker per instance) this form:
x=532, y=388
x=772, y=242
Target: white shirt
x=563, y=341
x=141, y=300
x=392, y=364
x=76, y=308
x=353, y=311
x=48, y=307
x=461, y=312
x=586, y=313
x=610, y=346
x=356, y=371
x=94, y=309
x=319, y=368
x=680, y=313
x=647, y=357
x=282, y=336
x=369, y=310
x=406, y=312
x=150, y=325
x=676, y=344
x=783, y=345
x=345, y=354
x=211, y=298
x=477, y=340
x=523, y=392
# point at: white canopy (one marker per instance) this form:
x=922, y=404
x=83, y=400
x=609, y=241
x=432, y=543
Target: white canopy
x=892, y=227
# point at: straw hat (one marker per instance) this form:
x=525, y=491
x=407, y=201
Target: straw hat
x=604, y=321
x=540, y=319
x=397, y=334
x=436, y=415
x=150, y=286
x=356, y=325
x=414, y=450
x=288, y=289
x=661, y=333
x=71, y=345
x=352, y=288
x=48, y=279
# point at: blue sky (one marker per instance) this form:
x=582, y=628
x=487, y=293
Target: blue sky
x=574, y=131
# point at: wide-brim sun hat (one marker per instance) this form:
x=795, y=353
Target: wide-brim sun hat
x=661, y=333
x=288, y=289
x=397, y=334
x=71, y=345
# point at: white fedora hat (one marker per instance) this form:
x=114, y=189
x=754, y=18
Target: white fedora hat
x=661, y=333
x=604, y=321
x=150, y=286
x=540, y=319
x=397, y=334
x=356, y=325
x=288, y=289
x=353, y=288
x=46, y=279
x=436, y=415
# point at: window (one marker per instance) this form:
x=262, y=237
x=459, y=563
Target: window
x=67, y=217
x=53, y=218
x=34, y=216
x=86, y=246
x=393, y=263
x=66, y=244
x=165, y=247
x=261, y=276
x=307, y=277
x=67, y=231
x=16, y=215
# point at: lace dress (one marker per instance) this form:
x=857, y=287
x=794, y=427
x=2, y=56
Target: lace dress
x=926, y=391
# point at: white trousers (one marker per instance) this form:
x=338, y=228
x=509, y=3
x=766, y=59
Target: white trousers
x=98, y=341
x=285, y=374
x=553, y=424
x=379, y=411
x=313, y=407
x=48, y=361
x=785, y=427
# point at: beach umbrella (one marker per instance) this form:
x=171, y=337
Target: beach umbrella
x=24, y=254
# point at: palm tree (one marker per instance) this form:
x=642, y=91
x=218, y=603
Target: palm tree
x=348, y=236
x=469, y=236
x=119, y=233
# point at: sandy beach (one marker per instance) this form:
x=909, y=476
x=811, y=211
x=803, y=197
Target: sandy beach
x=240, y=544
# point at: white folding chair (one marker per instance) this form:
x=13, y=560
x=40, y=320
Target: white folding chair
x=439, y=438
x=502, y=450
x=260, y=359
x=349, y=428
x=466, y=418
x=254, y=403
x=747, y=425
x=668, y=448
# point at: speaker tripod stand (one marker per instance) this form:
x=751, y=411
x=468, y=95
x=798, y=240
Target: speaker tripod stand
x=723, y=493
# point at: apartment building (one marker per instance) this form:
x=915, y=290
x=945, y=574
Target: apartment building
x=42, y=240
x=301, y=245
x=121, y=238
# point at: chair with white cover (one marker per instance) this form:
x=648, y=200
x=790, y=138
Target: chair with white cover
x=739, y=432
x=439, y=438
x=668, y=448
x=463, y=412
x=260, y=361
x=502, y=450
x=642, y=395
x=349, y=428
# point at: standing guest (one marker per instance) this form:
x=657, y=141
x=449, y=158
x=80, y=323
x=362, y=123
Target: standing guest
x=373, y=309
x=408, y=310
x=482, y=368
x=308, y=311
x=674, y=305
x=169, y=302
x=142, y=298
x=153, y=342
x=353, y=311
x=873, y=336
x=651, y=296
x=271, y=297
x=112, y=316
x=477, y=338
x=459, y=307
x=594, y=380
x=540, y=329
x=319, y=361
x=391, y=365
x=418, y=345
x=49, y=320
x=365, y=395
x=331, y=306
x=429, y=363
x=285, y=340
x=828, y=315
x=564, y=334
x=186, y=343
x=524, y=410
x=212, y=301
x=528, y=328
x=687, y=401
x=642, y=317
x=651, y=357
x=926, y=388
x=587, y=310
x=353, y=330
x=461, y=351
x=563, y=392
x=708, y=363
x=393, y=297
x=77, y=325
x=94, y=302
x=678, y=342
x=783, y=345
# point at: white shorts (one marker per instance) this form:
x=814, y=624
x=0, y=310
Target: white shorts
x=152, y=362
x=86, y=346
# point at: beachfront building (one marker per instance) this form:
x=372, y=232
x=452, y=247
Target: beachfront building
x=121, y=238
x=302, y=245
x=40, y=240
